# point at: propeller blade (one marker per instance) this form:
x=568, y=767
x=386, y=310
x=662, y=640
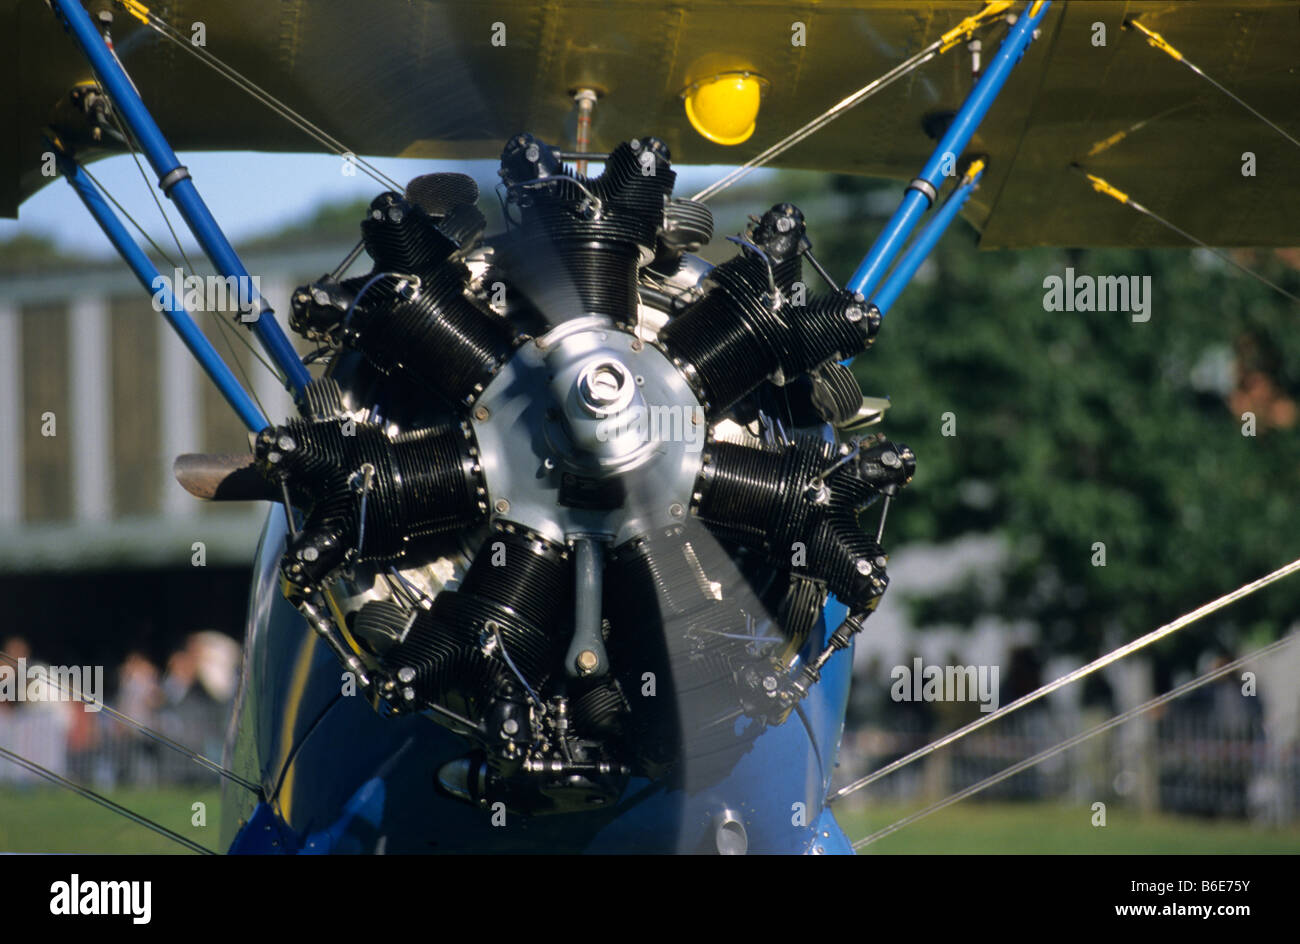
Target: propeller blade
x=222, y=477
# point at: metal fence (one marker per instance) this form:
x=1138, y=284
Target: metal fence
x=96, y=750
x=1192, y=761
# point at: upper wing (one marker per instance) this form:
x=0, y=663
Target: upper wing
x=423, y=78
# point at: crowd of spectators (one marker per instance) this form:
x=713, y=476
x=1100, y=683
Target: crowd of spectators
x=187, y=698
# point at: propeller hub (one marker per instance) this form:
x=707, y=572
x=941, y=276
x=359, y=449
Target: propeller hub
x=591, y=430
x=605, y=387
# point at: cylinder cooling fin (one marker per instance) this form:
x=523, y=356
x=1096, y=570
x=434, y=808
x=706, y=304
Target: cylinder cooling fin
x=571, y=492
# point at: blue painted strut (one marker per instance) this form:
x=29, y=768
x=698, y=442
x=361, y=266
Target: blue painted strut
x=174, y=180
x=872, y=268
x=925, y=241
x=173, y=310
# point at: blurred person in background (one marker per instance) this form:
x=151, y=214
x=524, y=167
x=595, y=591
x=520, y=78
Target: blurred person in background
x=129, y=757
x=37, y=727
x=197, y=691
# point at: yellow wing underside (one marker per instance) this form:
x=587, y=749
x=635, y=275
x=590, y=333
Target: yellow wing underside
x=424, y=78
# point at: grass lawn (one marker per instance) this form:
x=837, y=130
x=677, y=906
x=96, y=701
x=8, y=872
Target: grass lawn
x=50, y=819
x=1009, y=828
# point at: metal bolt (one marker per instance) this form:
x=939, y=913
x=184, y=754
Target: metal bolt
x=310, y=553
x=533, y=153
x=864, y=566
x=502, y=506
x=605, y=386
x=769, y=683
x=406, y=675
x=481, y=413
x=881, y=561
x=854, y=313
x=510, y=726
x=287, y=444
x=408, y=694
x=890, y=459
x=676, y=510
x=588, y=660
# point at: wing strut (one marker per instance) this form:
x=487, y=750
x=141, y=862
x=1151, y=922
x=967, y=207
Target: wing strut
x=927, y=239
x=173, y=309
x=964, y=30
x=923, y=189
x=174, y=180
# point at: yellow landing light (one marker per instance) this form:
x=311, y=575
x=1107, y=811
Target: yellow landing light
x=723, y=108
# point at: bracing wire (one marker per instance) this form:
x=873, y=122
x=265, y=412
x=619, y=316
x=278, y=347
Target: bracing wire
x=962, y=31
x=165, y=30
x=129, y=218
x=1075, y=740
x=1104, y=187
x=144, y=729
x=133, y=148
x=1156, y=41
x=1097, y=664
x=225, y=329
x=103, y=801
x=771, y=153
x=820, y=121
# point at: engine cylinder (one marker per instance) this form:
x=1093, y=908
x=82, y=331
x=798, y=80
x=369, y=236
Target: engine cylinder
x=507, y=615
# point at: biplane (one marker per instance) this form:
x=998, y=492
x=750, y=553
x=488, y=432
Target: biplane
x=572, y=532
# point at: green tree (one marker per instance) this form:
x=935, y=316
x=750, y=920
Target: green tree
x=1074, y=428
